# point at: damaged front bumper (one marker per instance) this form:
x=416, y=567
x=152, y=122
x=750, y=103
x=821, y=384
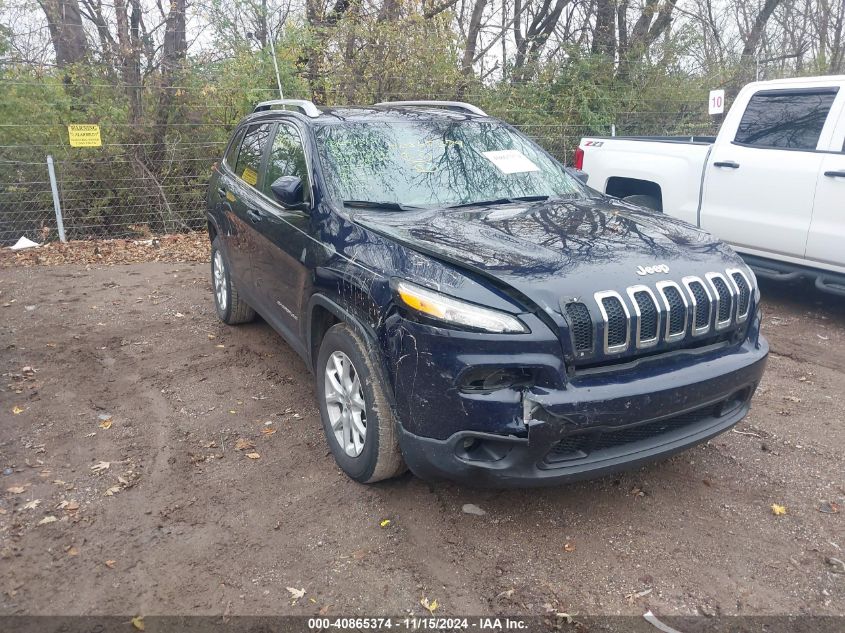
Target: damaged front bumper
x=599, y=424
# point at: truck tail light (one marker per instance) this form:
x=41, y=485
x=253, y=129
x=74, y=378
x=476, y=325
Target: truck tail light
x=578, y=158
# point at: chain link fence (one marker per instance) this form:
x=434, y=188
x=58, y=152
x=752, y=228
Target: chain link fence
x=136, y=189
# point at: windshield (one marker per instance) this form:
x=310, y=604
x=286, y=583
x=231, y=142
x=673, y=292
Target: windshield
x=437, y=163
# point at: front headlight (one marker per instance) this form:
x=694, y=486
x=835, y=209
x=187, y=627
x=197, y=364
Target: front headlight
x=439, y=306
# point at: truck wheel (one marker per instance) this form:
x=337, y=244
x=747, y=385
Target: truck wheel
x=649, y=202
x=231, y=309
x=357, y=418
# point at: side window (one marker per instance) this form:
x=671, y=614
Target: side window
x=786, y=119
x=248, y=165
x=232, y=153
x=287, y=158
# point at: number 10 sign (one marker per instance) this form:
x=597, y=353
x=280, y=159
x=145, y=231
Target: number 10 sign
x=716, y=103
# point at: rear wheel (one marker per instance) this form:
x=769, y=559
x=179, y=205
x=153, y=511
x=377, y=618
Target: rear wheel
x=357, y=418
x=231, y=309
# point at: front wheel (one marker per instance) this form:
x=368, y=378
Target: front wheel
x=357, y=418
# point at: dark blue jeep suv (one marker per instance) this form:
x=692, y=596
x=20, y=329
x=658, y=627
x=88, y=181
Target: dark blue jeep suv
x=468, y=307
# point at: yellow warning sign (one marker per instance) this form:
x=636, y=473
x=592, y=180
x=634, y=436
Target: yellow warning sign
x=250, y=176
x=84, y=135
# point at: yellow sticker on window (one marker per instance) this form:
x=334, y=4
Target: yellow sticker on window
x=250, y=176
x=84, y=135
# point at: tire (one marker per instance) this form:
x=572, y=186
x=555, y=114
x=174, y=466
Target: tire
x=231, y=308
x=375, y=454
x=649, y=202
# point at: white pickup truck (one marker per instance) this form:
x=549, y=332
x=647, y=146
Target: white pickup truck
x=772, y=183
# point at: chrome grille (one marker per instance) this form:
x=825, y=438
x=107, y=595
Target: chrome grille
x=701, y=305
x=723, y=298
x=676, y=310
x=617, y=321
x=743, y=291
x=647, y=311
x=668, y=312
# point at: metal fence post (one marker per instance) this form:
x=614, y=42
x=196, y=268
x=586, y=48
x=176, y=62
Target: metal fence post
x=60, y=225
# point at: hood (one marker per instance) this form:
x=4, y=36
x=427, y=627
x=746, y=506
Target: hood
x=559, y=250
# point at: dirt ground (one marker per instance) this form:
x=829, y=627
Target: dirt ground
x=161, y=514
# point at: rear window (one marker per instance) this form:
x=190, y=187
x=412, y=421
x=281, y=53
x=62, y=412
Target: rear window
x=248, y=165
x=232, y=153
x=786, y=119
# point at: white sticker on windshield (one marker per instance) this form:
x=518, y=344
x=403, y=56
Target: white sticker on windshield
x=511, y=161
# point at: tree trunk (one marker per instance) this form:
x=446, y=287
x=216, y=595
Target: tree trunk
x=604, y=33
x=64, y=21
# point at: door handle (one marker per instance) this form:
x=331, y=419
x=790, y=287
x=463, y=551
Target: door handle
x=254, y=215
x=726, y=163
x=835, y=174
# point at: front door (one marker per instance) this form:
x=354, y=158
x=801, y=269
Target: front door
x=279, y=260
x=759, y=188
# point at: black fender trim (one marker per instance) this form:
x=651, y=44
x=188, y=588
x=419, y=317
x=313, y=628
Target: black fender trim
x=362, y=328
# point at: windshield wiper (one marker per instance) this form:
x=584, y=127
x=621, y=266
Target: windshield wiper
x=372, y=204
x=490, y=203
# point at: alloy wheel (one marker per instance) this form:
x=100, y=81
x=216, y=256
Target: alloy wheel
x=345, y=404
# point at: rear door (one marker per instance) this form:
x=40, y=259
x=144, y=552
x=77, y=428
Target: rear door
x=241, y=189
x=759, y=187
x=826, y=241
x=279, y=260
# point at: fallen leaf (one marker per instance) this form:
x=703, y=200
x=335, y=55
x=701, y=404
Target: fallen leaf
x=253, y=455
x=16, y=409
x=631, y=597
x=31, y=505
x=778, y=510
x=110, y=563
x=569, y=547
x=431, y=606
x=106, y=424
x=47, y=519
x=829, y=507
x=242, y=444
x=101, y=466
x=384, y=523
x=295, y=593
x=267, y=431
x=138, y=622
x=72, y=551
x=16, y=490
x=112, y=491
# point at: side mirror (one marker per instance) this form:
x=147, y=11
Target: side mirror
x=288, y=191
x=582, y=176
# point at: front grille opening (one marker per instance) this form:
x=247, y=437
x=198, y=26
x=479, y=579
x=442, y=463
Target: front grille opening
x=744, y=294
x=724, y=299
x=617, y=322
x=648, y=315
x=677, y=309
x=581, y=325
x=702, y=305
